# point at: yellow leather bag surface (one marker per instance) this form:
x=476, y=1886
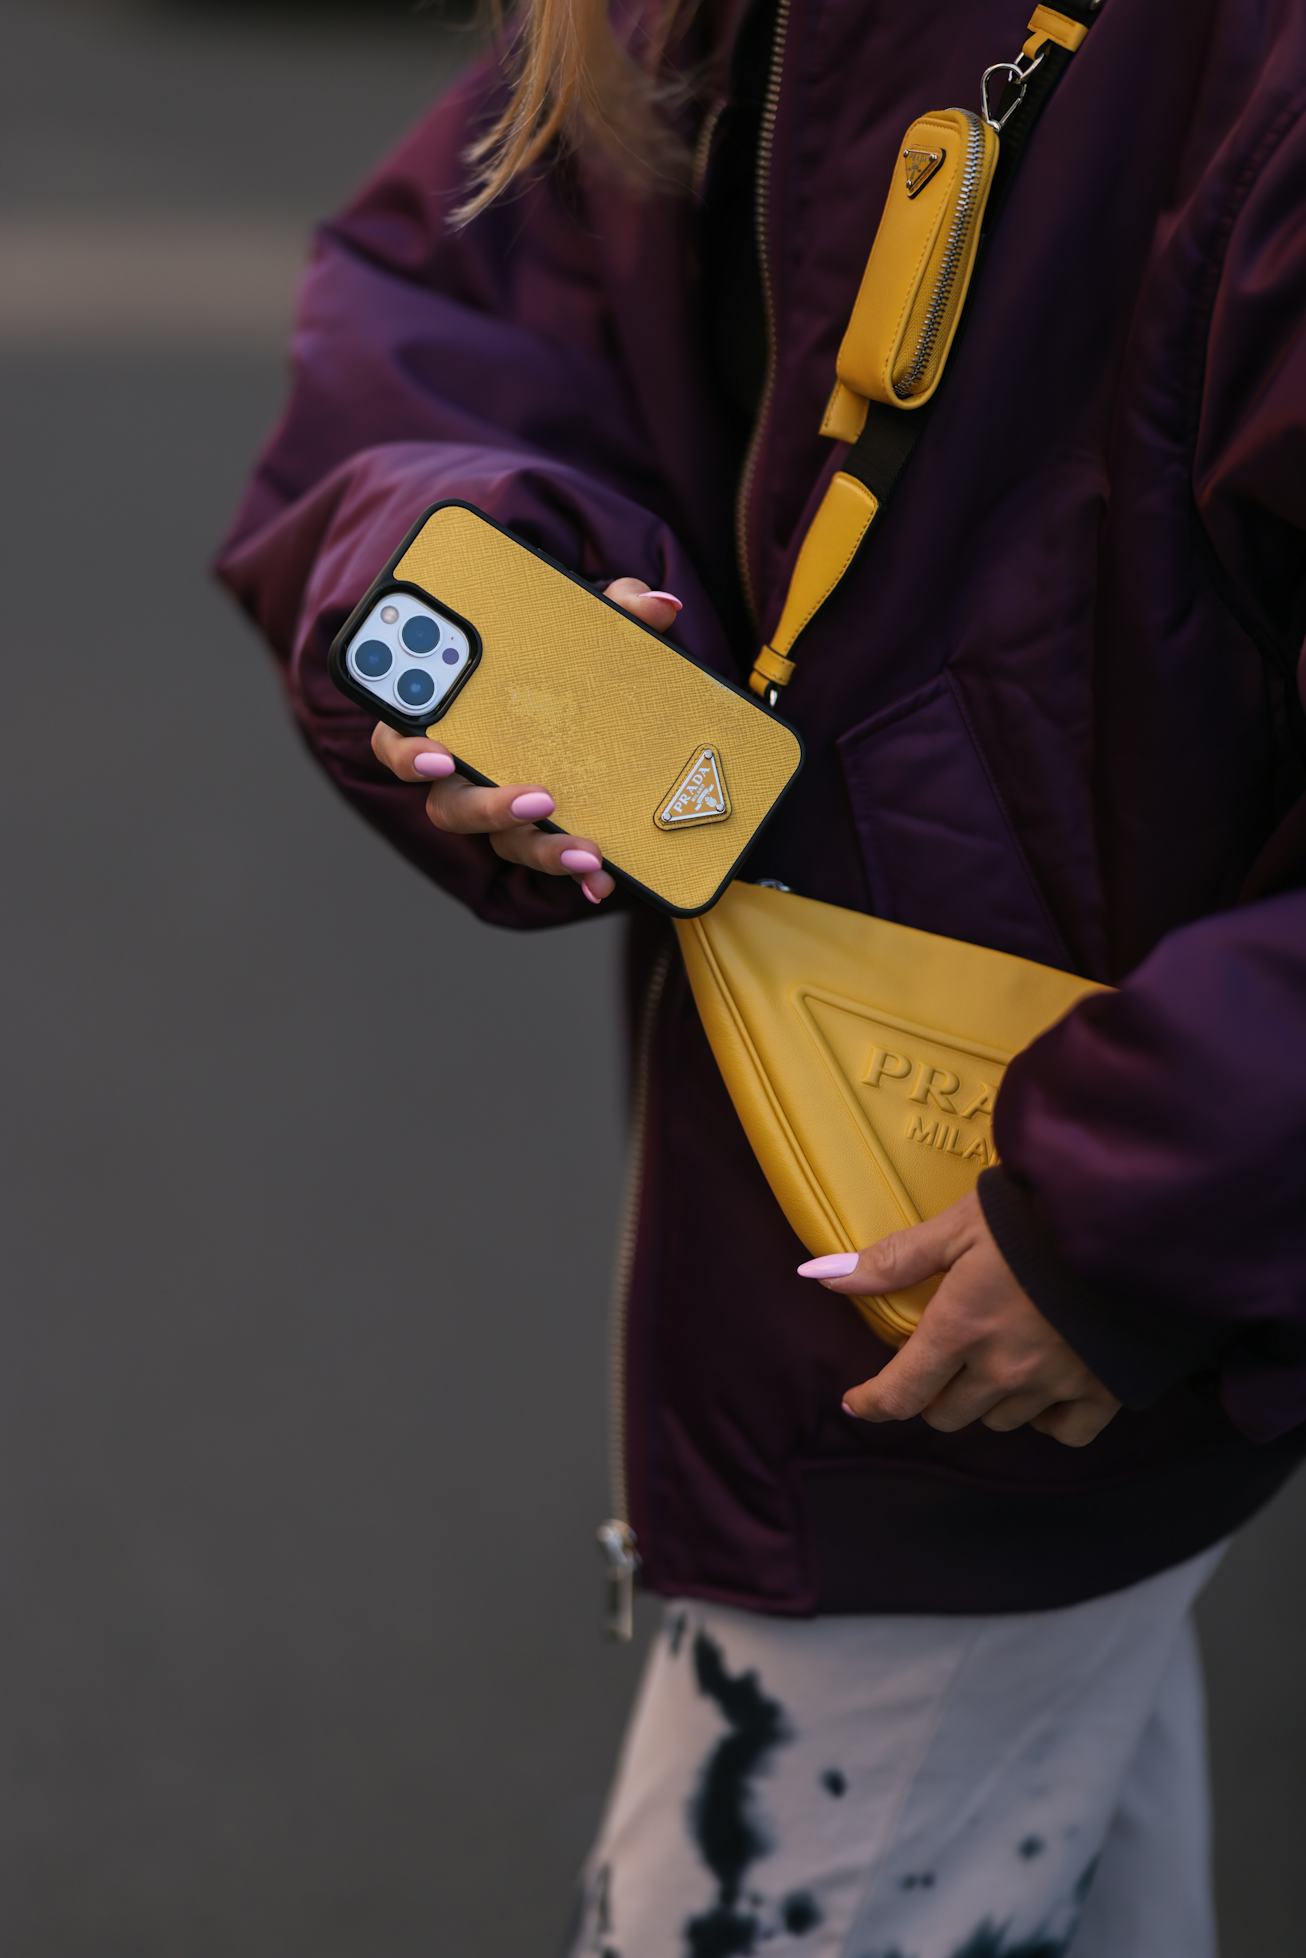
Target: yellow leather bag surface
x=669, y=768
x=863, y=1059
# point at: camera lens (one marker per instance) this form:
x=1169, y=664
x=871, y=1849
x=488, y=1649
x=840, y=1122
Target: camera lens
x=421, y=635
x=415, y=689
x=372, y=659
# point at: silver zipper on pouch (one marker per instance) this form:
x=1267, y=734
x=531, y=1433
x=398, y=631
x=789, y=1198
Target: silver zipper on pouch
x=905, y=385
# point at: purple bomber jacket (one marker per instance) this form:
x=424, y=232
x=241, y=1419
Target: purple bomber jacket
x=1050, y=710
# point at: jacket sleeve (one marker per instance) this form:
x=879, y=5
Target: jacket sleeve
x=1151, y=1193
x=429, y=363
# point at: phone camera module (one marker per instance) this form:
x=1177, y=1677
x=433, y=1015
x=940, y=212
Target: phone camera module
x=372, y=659
x=415, y=689
x=420, y=634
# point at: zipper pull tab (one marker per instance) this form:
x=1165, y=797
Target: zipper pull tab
x=617, y=1542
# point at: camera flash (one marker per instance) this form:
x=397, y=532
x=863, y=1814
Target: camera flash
x=389, y=613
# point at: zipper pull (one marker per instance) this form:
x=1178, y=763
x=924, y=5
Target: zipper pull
x=617, y=1542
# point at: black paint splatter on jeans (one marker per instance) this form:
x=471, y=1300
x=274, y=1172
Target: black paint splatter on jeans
x=800, y=1912
x=721, y=1820
x=834, y=1781
x=990, y=1941
x=676, y=1632
x=1031, y=1847
x=917, y=1880
x=1085, y=1884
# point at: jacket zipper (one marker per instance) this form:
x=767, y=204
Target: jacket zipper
x=905, y=385
x=765, y=140
x=616, y=1538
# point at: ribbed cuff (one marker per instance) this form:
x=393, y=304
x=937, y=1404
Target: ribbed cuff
x=1117, y=1337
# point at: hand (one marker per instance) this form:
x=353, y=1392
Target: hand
x=507, y=816
x=982, y=1350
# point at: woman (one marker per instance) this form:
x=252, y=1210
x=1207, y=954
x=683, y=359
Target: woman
x=927, y=1686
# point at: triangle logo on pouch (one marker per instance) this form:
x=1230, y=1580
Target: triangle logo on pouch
x=700, y=795
x=921, y=165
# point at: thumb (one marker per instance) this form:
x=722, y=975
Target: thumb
x=896, y=1262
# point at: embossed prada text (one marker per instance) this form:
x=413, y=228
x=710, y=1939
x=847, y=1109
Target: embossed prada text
x=933, y=1087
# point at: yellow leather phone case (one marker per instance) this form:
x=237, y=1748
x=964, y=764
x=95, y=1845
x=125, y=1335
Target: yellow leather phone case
x=668, y=768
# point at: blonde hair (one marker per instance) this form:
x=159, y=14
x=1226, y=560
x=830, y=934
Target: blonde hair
x=575, y=85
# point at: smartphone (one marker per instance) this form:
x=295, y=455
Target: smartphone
x=527, y=674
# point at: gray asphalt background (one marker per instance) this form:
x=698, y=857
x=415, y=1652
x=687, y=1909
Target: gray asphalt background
x=309, y=1181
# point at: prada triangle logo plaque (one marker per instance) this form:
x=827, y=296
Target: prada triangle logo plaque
x=700, y=794
x=921, y=165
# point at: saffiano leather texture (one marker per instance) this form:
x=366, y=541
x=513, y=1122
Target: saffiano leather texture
x=613, y=718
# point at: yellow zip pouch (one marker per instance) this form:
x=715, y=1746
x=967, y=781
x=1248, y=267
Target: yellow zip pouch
x=914, y=286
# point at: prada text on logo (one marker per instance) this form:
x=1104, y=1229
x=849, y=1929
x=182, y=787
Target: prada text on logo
x=943, y=1113
x=700, y=794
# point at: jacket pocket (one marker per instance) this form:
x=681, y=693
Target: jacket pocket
x=938, y=845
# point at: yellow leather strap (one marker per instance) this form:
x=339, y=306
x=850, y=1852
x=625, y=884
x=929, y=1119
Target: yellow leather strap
x=1046, y=24
x=843, y=517
x=774, y=667
x=845, y=414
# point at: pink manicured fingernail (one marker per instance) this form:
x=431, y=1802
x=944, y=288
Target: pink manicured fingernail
x=670, y=597
x=581, y=860
x=585, y=886
x=533, y=806
x=837, y=1265
x=849, y=1410
x=434, y=767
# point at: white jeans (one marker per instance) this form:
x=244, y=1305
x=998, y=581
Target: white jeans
x=1031, y=1786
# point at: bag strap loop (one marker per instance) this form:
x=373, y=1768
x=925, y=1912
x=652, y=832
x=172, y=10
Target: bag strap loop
x=1048, y=24
x=832, y=541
